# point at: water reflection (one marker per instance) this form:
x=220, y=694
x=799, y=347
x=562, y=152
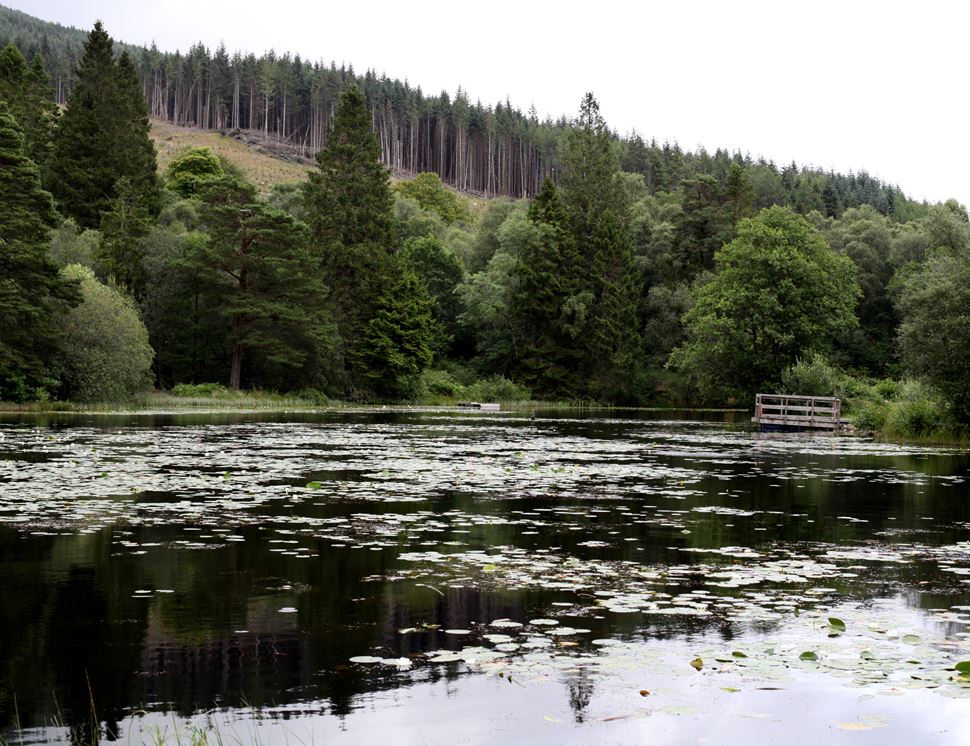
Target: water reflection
x=188, y=562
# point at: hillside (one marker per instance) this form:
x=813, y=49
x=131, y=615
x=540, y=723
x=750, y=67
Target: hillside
x=488, y=150
x=261, y=168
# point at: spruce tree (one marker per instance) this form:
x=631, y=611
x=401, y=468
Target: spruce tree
x=588, y=177
x=27, y=91
x=396, y=342
x=103, y=137
x=349, y=205
x=32, y=292
x=548, y=273
x=613, y=340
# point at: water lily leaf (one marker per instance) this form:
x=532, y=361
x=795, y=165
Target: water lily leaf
x=697, y=663
x=963, y=667
x=644, y=693
x=911, y=639
x=808, y=655
x=730, y=689
x=365, y=659
x=314, y=485
x=836, y=624
x=739, y=654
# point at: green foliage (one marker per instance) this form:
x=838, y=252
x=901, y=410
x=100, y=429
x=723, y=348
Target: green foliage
x=349, y=206
x=547, y=272
x=427, y=190
x=441, y=273
x=123, y=225
x=396, y=344
x=255, y=268
x=102, y=137
x=439, y=384
x=200, y=389
x=107, y=356
x=189, y=171
x=589, y=176
x=26, y=89
x=32, y=293
x=413, y=221
x=72, y=245
x=779, y=290
x=813, y=376
x=934, y=335
x=497, y=389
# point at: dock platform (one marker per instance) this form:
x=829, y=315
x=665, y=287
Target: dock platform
x=797, y=412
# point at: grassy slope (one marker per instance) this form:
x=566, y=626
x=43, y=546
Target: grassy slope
x=261, y=169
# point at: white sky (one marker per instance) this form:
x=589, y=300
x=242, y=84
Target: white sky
x=848, y=85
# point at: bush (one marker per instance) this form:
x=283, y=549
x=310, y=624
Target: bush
x=439, y=384
x=813, y=377
x=497, y=388
x=872, y=416
x=887, y=388
x=201, y=390
x=915, y=417
x=107, y=356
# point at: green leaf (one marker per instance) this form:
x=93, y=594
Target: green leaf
x=963, y=667
x=314, y=485
x=697, y=663
x=739, y=654
x=808, y=655
x=836, y=624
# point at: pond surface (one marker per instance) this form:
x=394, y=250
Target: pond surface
x=435, y=577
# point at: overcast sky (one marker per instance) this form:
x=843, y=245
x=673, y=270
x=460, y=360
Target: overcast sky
x=849, y=85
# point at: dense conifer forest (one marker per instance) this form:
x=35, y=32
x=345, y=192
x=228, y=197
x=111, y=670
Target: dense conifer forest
x=601, y=268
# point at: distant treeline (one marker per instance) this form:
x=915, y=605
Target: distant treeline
x=491, y=150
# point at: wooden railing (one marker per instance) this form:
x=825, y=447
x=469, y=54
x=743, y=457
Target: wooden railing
x=794, y=410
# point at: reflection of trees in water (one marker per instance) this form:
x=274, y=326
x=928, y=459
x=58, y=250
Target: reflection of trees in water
x=580, y=687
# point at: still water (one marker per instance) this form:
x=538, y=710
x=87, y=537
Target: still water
x=436, y=577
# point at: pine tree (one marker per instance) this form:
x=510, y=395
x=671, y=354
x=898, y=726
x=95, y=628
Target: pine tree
x=396, y=342
x=103, y=137
x=349, y=204
x=32, y=292
x=548, y=276
x=613, y=340
x=256, y=266
x=28, y=94
x=588, y=178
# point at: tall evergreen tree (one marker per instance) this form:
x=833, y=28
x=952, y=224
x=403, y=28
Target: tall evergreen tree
x=613, y=341
x=26, y=89
x=396, y=341
x=588, y=177
x=255, y=261
x=32, y=293
x=548, y=273
x=103, y=137
x=349, y=204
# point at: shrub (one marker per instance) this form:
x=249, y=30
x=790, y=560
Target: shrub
x=915, y=417
x=813, y=377
x=497, y=388
x=201, y=390
x=872, y=416
x=438, y=384
x=107, y=356
x=887, y=388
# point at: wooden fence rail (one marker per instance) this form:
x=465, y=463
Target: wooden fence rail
x=797, y=412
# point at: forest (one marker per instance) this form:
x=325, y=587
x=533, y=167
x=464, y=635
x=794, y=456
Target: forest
x=600, y=269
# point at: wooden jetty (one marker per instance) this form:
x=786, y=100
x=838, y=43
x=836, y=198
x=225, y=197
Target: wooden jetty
x=484, y=406
x=797, y=412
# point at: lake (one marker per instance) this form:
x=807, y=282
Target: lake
x=443, y=577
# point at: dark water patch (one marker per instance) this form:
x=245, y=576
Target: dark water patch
x=308, y=573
